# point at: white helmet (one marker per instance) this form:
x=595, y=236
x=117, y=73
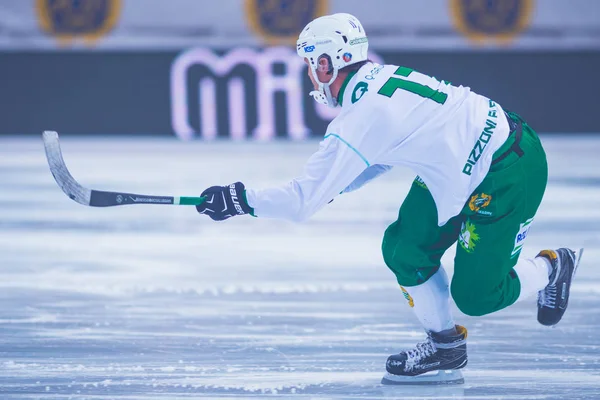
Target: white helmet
x=338, y=37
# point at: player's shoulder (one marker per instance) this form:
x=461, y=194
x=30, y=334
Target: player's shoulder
x=361, y=105
x=359, y=91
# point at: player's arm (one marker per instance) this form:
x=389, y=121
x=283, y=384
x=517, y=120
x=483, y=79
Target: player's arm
x=366, y=176
x=327, y=172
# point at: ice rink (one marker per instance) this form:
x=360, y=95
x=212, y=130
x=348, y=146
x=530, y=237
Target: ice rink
x=158, y=302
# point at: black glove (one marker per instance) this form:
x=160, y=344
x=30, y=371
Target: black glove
x=223, y=202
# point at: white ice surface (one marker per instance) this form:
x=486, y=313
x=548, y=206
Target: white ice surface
x=145, y=302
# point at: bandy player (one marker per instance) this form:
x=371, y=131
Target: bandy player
x=482, y=174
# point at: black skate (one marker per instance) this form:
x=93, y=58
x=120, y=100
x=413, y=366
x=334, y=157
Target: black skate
x=554, y=298
x=433, y=362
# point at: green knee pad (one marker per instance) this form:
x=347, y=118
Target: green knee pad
x=401, y=256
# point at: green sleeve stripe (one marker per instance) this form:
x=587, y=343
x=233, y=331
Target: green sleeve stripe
x=349, y=145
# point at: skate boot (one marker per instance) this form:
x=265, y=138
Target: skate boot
x=433, y=362
x=554, y=298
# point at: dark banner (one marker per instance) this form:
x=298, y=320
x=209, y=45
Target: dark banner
x=262, y=93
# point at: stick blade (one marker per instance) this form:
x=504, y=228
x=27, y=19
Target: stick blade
x=59, y=170
x=450, y=377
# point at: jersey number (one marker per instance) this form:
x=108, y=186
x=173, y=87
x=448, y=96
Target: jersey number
x=390, y=86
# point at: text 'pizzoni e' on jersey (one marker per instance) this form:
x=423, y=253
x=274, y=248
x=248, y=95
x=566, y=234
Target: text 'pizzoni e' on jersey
x=393, y=115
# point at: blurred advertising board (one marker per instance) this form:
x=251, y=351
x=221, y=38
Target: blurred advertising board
x=227, y=69
x=262, y=93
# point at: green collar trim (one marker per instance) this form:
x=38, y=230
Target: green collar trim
x=340, y=97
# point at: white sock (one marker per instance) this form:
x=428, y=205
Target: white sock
x=533, y=275
x=431, y=302
x=548, y=265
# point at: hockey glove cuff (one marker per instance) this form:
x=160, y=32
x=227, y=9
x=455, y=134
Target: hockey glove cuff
x=223, y=202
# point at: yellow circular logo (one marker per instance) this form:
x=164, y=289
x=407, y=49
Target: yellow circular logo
x=69, y=20
x=281, y=21
x=497, y=21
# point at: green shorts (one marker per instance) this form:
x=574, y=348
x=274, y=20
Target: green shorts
x=490, y=229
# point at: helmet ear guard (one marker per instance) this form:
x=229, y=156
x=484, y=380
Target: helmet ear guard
x=329, y=63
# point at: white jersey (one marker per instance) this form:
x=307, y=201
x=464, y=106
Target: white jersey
x=395, y=116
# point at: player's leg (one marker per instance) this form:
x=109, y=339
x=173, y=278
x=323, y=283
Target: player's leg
x=499, y=215
x=488, y=274
x=412, y=248
x=562, y=263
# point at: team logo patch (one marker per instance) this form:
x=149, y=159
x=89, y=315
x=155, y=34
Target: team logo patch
x=69, y=20
x=468, y=238
x=408, y=297
x=359, y=90
x=479, y=201
x=347, y=57
x=280, y=21
x=521, y=236
x=491, y=20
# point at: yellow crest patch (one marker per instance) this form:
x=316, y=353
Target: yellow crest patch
x=408, y=297
x=281, y=21
x=495, y=20
x=479, y=201
x=68, y=20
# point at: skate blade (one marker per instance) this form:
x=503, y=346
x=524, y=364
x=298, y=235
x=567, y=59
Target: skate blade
x=442, y=377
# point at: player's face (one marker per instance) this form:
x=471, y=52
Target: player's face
x=321, y=72
x=310, y=75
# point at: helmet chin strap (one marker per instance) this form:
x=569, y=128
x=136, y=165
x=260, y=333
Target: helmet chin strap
x=323, y=95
